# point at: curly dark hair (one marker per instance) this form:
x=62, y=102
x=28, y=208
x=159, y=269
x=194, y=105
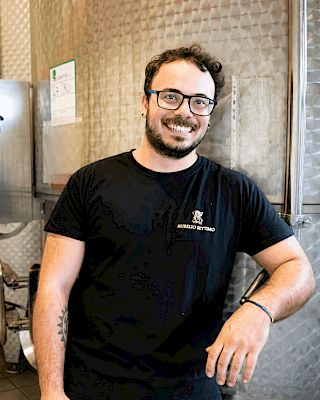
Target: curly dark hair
x=195, y=54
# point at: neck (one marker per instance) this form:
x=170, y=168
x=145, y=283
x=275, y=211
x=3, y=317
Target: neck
x=149, y=158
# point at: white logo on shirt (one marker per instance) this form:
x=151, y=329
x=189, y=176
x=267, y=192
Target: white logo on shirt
x=197, y=217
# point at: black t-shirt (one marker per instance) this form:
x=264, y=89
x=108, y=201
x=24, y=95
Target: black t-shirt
x=160, y=248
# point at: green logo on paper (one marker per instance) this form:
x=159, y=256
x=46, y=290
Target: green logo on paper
x=54, y=75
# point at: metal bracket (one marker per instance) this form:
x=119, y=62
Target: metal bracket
x=11, y=279
x=9, y=276
x=297, y=221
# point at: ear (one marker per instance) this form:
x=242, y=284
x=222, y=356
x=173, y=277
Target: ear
x=145, y=104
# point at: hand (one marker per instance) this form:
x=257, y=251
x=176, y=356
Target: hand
x=242, y=338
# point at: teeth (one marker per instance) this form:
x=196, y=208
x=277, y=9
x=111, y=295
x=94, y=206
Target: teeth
x=179, y=128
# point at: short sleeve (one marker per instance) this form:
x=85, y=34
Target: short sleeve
x=68, y=216
x=262, y=227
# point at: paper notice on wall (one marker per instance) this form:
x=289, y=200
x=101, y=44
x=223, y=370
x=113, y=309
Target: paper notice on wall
x=63, y=92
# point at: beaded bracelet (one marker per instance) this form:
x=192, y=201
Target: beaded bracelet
x=263, y=308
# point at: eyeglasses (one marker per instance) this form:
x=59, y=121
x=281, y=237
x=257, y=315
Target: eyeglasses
x=172, y=100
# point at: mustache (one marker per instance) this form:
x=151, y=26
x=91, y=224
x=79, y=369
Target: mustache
x=178, y=120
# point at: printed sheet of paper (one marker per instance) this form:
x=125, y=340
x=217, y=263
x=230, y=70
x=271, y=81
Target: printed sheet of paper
x=63, y=92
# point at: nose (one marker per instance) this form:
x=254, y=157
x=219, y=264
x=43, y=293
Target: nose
x=184, y=108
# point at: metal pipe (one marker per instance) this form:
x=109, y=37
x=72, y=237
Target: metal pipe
x=297, y=71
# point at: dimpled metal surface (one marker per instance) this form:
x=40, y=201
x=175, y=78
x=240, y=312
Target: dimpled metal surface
x=15, y=64
x=112, y=42
x=15, y=52
x=312, y=140
x=288, y=365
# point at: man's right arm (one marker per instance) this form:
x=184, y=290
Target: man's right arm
x=61, y=263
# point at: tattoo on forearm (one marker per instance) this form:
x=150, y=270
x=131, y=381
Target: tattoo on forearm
x=63, y=325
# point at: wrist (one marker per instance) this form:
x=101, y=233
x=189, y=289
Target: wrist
x=258, y=305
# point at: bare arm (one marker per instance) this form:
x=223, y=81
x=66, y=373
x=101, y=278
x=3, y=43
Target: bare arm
x=60, y=266
x=245, y=333
x=292, y=281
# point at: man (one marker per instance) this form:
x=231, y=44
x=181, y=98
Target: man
x=144, y=243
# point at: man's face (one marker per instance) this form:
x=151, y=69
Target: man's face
x=176, y=133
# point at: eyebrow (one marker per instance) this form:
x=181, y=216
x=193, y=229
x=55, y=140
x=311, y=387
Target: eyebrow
x=179, y=91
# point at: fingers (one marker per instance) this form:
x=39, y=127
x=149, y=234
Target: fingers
x=213, y=355
x=220, y=359
x=222, y=366
x=236, y=364
x=240, y=341
x=251, y=363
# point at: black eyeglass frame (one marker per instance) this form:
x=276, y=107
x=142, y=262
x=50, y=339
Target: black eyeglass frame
x=184, y=96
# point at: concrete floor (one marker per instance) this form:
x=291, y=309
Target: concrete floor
x=18, y=386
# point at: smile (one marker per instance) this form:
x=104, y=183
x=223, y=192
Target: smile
x=180, y=128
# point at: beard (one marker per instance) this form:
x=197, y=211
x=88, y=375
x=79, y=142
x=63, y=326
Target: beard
x=178, y=150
